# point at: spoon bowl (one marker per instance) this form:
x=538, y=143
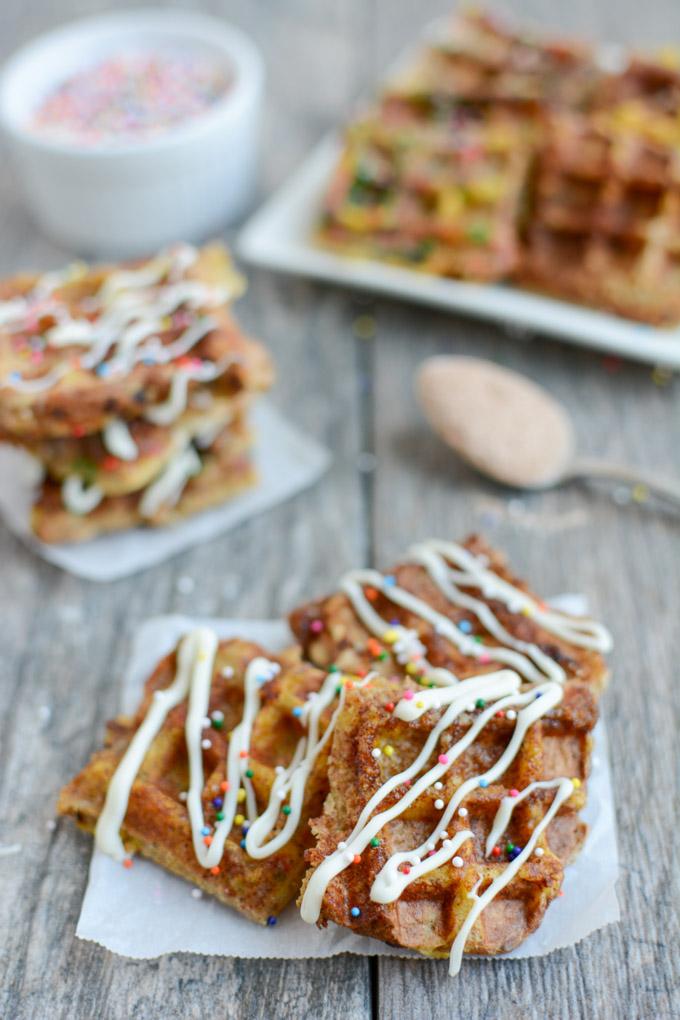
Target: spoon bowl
x=500, y=422
x=512, y=430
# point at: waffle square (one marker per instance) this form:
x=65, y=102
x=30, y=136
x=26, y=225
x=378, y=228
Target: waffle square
x=411, y=874
x=155, y=820
x=457, y=773
x=438, y=194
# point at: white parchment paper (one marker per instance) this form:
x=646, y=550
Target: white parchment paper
x=288, y=462
x=144, y=912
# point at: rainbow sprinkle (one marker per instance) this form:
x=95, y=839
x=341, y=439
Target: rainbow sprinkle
x=132, y=96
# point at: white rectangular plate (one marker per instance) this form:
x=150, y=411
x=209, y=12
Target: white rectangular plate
x=279, y=237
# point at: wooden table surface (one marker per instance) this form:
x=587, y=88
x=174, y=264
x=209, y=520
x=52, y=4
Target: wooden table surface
x=64, y=641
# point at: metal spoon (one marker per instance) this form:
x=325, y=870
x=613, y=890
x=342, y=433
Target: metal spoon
x=512, y=430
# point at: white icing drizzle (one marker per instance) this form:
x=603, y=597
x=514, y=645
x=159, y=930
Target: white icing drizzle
x=148, y=275
x=193, y=680
x=195, y=657
x=508, y=805
x=468, y=571
x=176, y=403
x=118, y=441
x=37, y=385
x=169, y=486
x=292, y=781
x=154, y=350
x=49, y=282
x=258, y=672
x=78, y=498
x=70, y=333
x=565, y=789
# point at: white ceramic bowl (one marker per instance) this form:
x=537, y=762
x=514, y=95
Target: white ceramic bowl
x=130, y=199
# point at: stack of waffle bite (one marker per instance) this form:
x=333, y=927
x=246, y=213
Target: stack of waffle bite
x=501, y=155
x=413, y=769
x=131, y=385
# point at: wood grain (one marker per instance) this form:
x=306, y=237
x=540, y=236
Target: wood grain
x=64, y=642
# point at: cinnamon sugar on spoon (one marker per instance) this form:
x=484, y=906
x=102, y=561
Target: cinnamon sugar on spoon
x=512, y=430
x=497, y=420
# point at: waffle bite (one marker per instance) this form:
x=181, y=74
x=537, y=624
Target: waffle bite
x=217, y=773
x=131, y=386
x=457, y=775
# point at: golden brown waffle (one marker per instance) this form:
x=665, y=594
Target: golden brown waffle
x=605, y=211
x=477, y=59
x=83, y=398
x=156, y=823
x=331, y=632
x=430, y=912
x=226, y=469
x=437, y=196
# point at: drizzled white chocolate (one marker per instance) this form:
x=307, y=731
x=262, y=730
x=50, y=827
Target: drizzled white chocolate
x=291, y=782
x=258, y=672
x=12, y=311
x=176, y=403
x=565, y=788
x=118, y=441
x=167, y=489
x=195, y=658
x=79, y=498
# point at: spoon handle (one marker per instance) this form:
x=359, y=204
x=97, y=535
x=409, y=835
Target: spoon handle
x=667, y=488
